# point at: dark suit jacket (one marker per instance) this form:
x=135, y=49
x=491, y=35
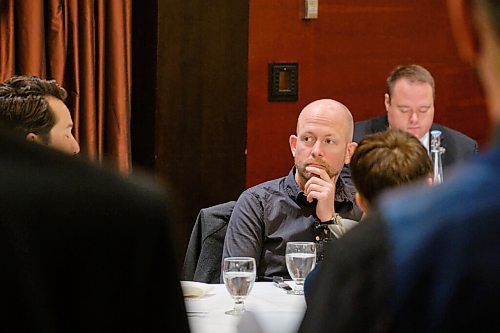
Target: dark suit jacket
x=204, y=253
x=459, y=147
x=82, y=249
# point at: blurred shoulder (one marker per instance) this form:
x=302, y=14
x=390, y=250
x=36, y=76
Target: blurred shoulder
x=49, y=178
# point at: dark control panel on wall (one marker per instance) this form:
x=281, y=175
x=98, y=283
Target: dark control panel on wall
x=283, y=81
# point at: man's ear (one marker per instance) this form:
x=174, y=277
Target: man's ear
x=361, y=202
x=387, y=101
x=350, y=149
x=32, y=137
x=293, y=143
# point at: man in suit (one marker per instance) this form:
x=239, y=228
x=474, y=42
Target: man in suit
x=409, y=102
x=35, y=109
x=81, y=248
x=427, y=259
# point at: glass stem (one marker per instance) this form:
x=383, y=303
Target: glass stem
x=239, y=306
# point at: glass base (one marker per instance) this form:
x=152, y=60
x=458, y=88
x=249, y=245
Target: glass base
x=235, y=312
x=298, y=289
x=239, y=308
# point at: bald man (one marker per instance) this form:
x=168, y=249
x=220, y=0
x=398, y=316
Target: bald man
x=300, y=206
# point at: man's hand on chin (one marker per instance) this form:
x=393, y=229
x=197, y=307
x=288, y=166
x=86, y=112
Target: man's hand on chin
x=322, y=188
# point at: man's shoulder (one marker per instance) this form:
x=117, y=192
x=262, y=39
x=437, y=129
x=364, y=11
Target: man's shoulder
x=263, y=194
x=458, y=146
x=267, y=185
x=454, y=134
x=369, y=126
x=373, y=120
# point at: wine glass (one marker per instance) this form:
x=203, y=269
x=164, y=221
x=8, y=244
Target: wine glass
x=300, y=260
x=239, y=275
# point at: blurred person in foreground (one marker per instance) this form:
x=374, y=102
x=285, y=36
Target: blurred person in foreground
x=35, y=109
x=302, y=205
x=81, y=248
x=382, y=161
x=427, y=260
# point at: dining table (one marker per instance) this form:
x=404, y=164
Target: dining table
x=268, y=309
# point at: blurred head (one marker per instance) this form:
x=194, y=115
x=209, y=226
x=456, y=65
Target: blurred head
x=409, y=100
x=34, y=108
x=323, y=139
x=476, y=26
x=387, y=159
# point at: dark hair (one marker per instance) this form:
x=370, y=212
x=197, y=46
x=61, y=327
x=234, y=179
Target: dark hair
x=24, y=107
x=388, y=159
x=412, y=73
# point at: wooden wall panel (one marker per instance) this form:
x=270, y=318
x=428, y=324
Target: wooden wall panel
x=201, y=104
x=346, y=54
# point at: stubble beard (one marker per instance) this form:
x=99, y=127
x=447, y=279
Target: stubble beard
x=306, y=175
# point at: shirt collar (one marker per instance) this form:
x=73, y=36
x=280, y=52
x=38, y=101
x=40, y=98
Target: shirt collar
x=425, y=141
x=293, y=189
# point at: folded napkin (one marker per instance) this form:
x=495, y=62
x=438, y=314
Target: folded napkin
x=195, y=289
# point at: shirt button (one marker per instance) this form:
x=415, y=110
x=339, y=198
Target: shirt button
x=317, y=238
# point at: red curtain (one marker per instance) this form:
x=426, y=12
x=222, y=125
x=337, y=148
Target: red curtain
x=85, y=45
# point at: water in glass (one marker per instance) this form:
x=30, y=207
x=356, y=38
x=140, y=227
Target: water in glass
x=300, y=260
x=239, y=276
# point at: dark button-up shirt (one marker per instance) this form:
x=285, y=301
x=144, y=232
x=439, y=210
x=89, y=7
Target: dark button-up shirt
x=269, y=215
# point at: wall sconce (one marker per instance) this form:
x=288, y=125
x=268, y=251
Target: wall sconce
x=310, y=9
x=283, y=81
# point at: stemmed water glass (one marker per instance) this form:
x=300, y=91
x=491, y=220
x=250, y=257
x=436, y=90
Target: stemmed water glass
x=300, y=260
x=239, y=276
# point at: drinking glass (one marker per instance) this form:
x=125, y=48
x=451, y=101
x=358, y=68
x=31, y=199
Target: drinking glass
x=239, y=275
x=300, y=260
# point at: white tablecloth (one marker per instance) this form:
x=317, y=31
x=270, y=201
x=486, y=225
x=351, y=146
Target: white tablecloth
x=269, y=309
